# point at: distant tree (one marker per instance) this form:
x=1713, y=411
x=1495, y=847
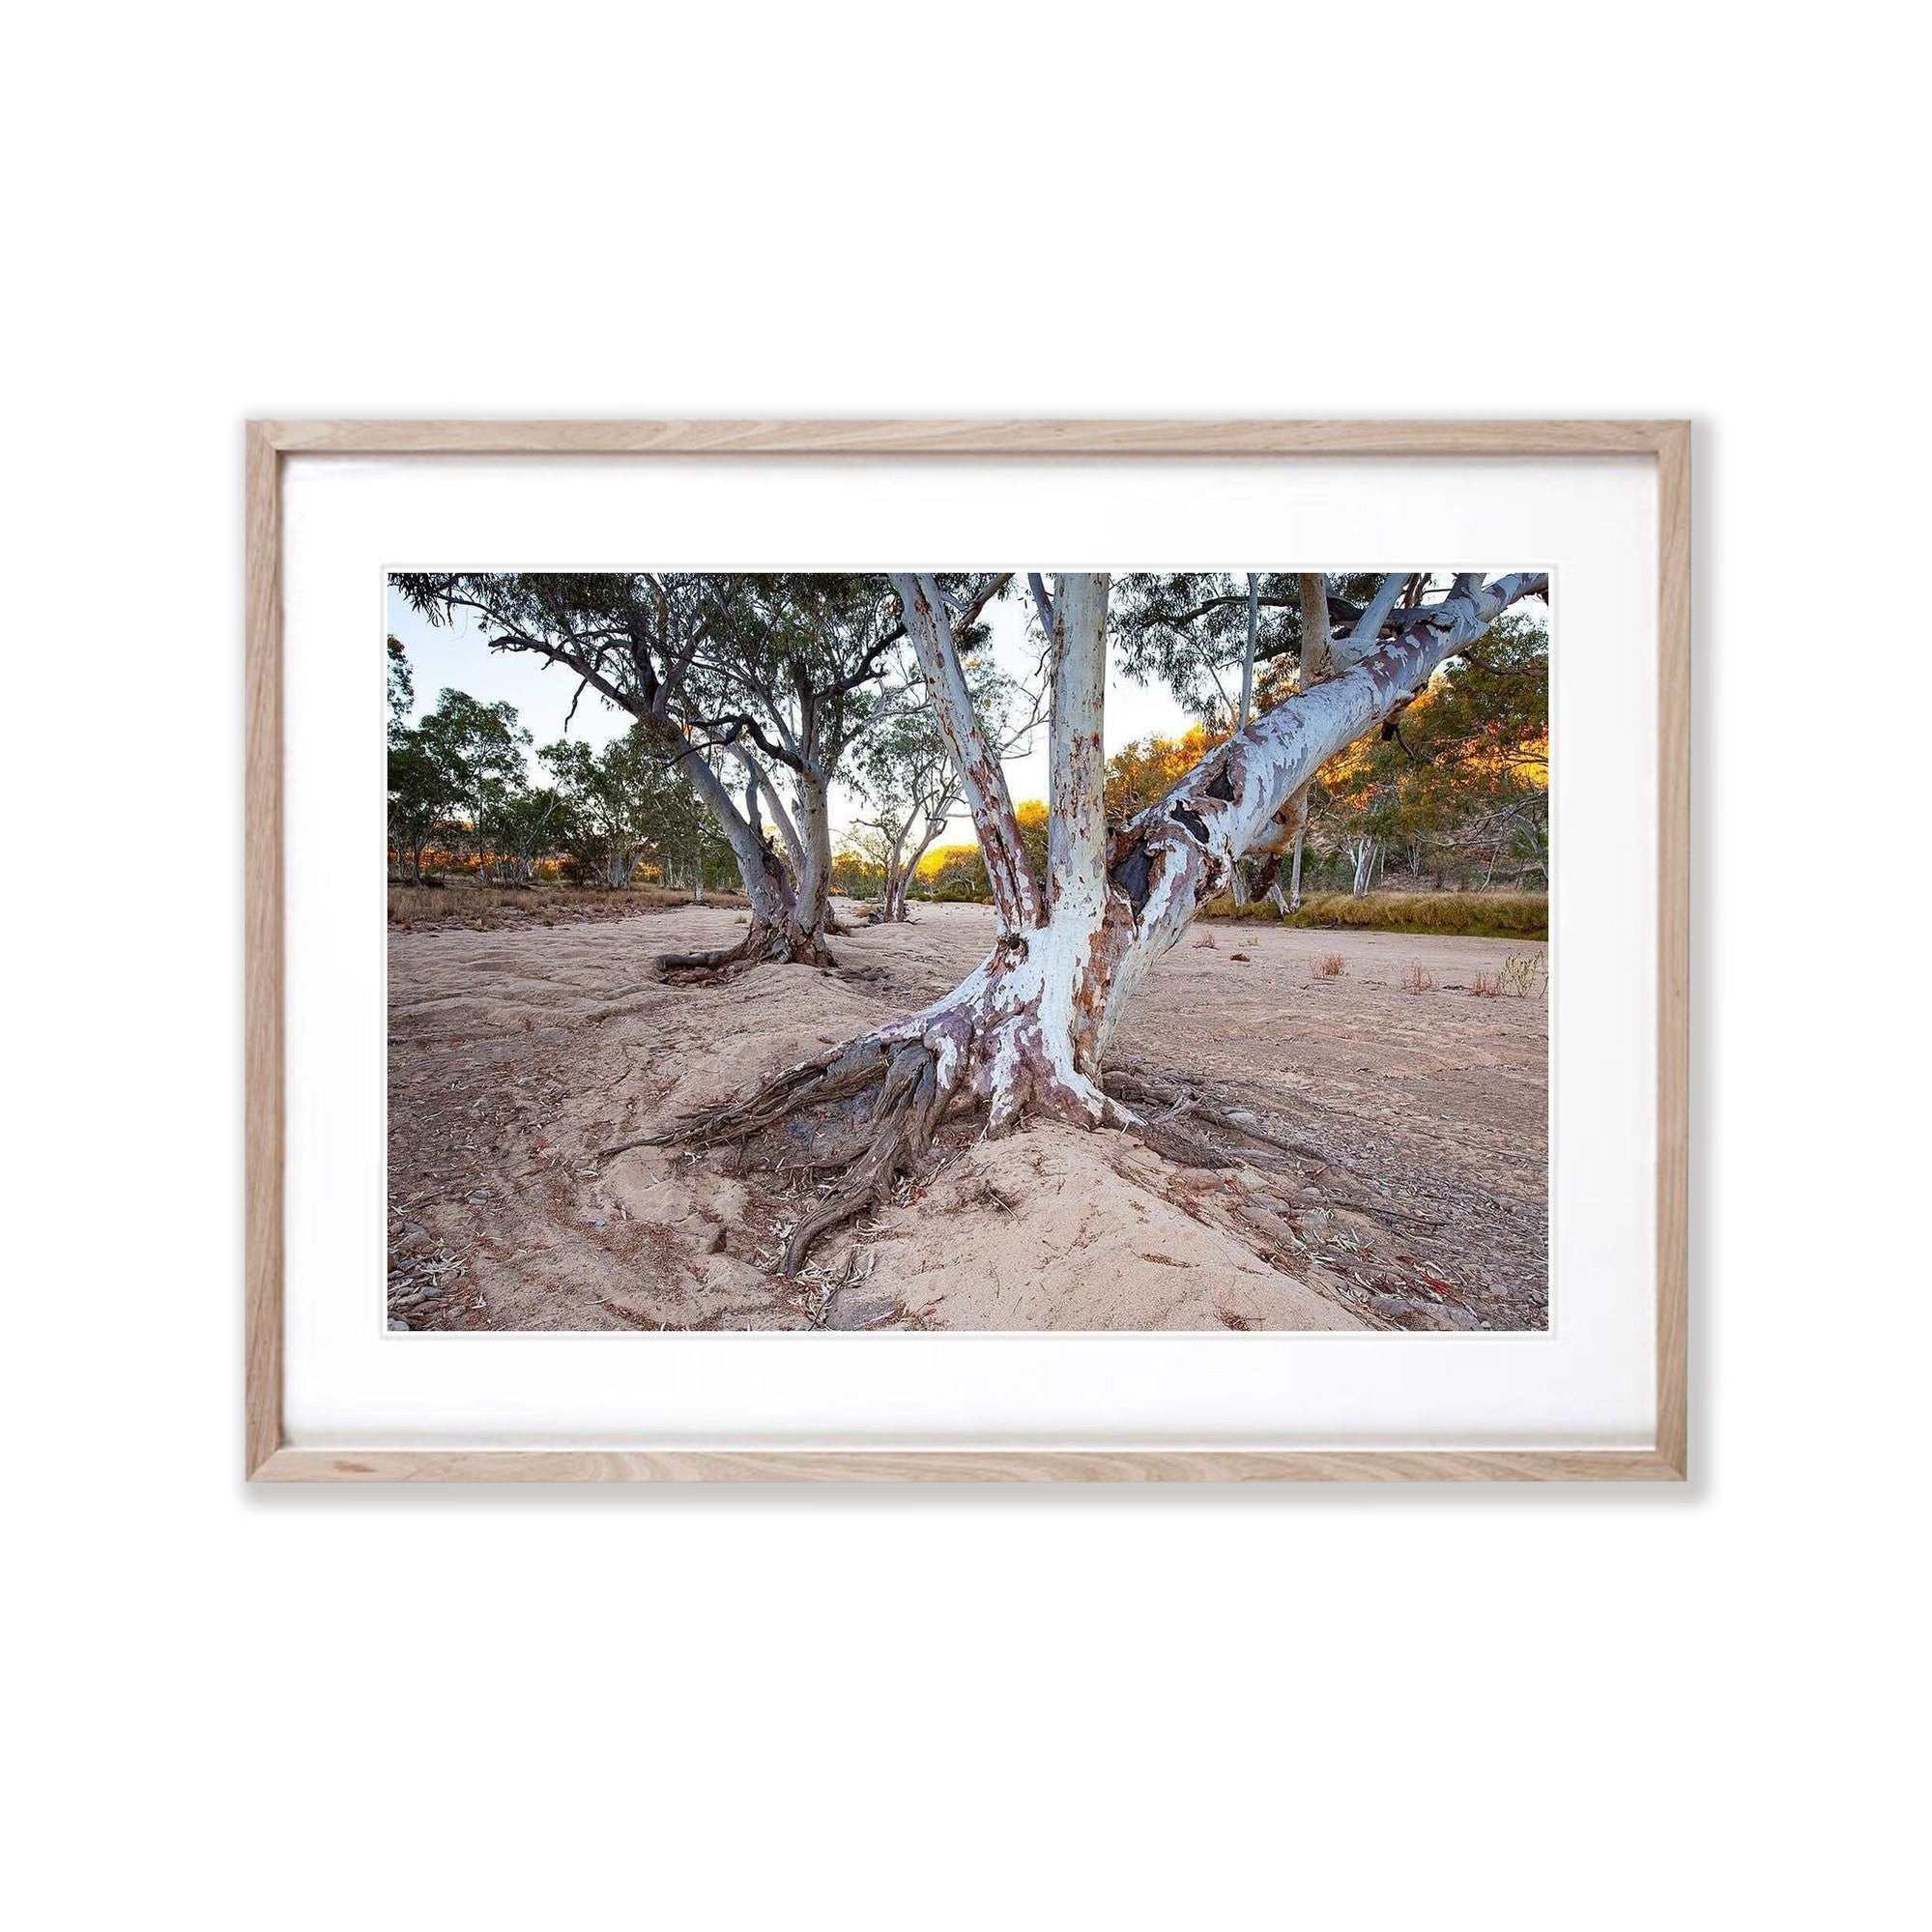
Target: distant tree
x=402, y=684
x=1148, y=768
x=609, y=800
x=627, y=807
x=426, y=782
x=1457, y=783
x=423, y=789
x=957, y=873
x=484, y=746
x=521, y=825
x=857, y=870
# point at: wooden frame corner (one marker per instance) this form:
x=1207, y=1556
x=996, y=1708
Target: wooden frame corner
x=267, y=1456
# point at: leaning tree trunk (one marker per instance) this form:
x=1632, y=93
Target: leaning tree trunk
x=1024, y=1034
x=777, y=934
x=815, y=838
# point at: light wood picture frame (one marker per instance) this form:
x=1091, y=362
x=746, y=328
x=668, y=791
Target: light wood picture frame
x=271, y=1457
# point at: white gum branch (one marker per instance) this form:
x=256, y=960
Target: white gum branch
x=1368, y=626
x=1248, y=657
x=1313, y=590
x=1182, y=849
x=1077, y=769
x=1016, y=894
x=772, y=801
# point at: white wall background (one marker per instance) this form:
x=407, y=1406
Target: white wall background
x=1335, y=1708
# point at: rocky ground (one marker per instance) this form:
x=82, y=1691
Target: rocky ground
x=1397, y=1180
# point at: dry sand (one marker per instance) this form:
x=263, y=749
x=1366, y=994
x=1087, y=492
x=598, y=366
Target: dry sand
x=1416, y=1198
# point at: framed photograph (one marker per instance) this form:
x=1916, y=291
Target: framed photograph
x=960, y=951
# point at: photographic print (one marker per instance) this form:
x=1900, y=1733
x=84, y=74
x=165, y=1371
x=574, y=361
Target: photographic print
x=968, y=951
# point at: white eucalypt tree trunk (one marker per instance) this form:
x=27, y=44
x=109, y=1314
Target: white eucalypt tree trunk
x=777, y=932
x=1024, y=1034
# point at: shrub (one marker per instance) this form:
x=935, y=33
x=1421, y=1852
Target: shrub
x=1523, y=973
x=1329, y=966
x=1417, y=978
x=1469, y=915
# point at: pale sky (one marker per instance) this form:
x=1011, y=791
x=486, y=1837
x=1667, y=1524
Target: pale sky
x=456, y=656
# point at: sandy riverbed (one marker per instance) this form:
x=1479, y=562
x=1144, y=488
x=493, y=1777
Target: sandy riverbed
x=1415, y=1196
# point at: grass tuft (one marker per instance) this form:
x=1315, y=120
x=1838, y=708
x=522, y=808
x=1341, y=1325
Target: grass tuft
x=1522, y=974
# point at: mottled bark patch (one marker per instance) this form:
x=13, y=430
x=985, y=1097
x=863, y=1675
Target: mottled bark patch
x=1133, y=873
x=1192, y=823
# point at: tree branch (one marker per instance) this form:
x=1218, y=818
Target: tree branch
x=1043, y=605
x=1368, y=626
x=1247, y=657
x=1016, y=893
x=1313, y=590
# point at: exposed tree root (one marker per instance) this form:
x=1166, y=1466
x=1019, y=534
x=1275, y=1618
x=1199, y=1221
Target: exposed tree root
x=867, y=1110
x=1165, y=1102
x=866, y=1114
x=762, y=945
x=1234, y=1135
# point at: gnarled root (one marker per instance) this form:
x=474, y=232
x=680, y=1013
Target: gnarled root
x=867, y=1110
x=893, y=1095
x=762, y=945
x=1188, y=1125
